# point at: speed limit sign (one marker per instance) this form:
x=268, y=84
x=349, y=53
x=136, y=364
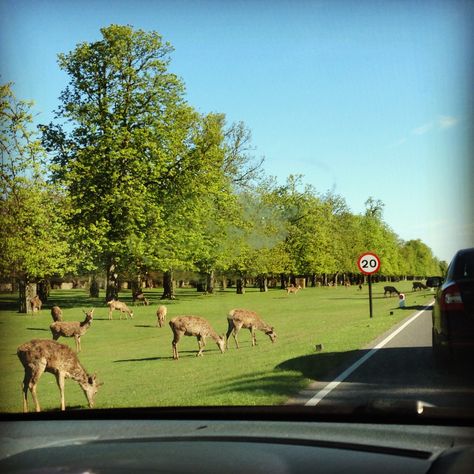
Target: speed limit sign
x=368, y=263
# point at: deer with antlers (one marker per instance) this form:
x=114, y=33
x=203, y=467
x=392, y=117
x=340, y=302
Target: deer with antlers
x=74, y=329
x=40, y=355
x=243, y=318
x=119, y=306
x=194, y=326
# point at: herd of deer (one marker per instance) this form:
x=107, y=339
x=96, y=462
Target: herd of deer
x=40, y=355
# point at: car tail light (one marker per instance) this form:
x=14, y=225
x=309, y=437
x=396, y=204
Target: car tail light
x=451, y=299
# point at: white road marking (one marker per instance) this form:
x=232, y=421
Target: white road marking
x=342, y=376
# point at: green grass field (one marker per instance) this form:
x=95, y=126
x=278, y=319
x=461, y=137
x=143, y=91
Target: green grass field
x=133, y=358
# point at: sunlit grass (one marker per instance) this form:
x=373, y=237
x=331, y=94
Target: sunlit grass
x=134, y=357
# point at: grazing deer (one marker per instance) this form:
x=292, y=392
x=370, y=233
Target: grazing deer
x=194, y=326
x=56, y=313
x=41, y=355
x=140, y=297
x=390, y=290
x=35, y=304
x=120, y=306
x=417, y=285
x=293, y=289
x=161, y=315
x=74, y=329
x=242, y=318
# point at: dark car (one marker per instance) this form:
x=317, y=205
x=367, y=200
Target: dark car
x=434, y=282
x=453, y=311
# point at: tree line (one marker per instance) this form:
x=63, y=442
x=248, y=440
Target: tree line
x=129, y=178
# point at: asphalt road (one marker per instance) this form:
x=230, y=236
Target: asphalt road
x=397, y=367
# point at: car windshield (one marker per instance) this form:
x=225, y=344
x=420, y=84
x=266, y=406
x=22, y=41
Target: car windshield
x=238, y=204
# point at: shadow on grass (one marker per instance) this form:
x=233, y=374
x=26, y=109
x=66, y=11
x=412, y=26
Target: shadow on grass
x=142, y=360
x=265, y=383
x=38, y=329
x=188, y=354
x=418, y=307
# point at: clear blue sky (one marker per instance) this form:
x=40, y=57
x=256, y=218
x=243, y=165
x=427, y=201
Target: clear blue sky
x=365, y=98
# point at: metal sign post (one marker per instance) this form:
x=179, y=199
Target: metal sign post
x=368, y=264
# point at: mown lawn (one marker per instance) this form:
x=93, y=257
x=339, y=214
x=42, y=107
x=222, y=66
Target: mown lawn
x=134, y=357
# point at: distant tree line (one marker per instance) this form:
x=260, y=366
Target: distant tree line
x=130, y=178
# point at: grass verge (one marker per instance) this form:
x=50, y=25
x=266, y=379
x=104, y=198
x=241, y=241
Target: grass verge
x=133, y=357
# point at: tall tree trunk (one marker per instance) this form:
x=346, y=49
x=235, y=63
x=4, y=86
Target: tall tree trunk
x=283, y=280
x=240, y=286
x=168, y=287
x=93, y=287
x=210, y=282
x=27, y=290
x=137, y=285
x=112, y=282
x=43, y=288
x=263, y=283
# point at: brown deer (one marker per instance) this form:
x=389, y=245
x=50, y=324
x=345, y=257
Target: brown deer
x=194, y=326
x=35, y=304
x=120, y=306
x=140, y=297
x=161, y=315
x=56, y=313
x=293, y=289
x=41, y=355
x=243, y=318
x=74, y=329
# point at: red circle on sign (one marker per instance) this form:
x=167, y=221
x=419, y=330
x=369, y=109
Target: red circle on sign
x=368, y=263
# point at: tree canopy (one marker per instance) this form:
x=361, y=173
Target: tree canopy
x=140, y=181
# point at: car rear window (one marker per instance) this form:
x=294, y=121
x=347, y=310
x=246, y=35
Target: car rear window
x=464, y=266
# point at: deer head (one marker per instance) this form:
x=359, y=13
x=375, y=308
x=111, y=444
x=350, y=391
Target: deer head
x=221, y=342
x=271, y=334
x=91, y=388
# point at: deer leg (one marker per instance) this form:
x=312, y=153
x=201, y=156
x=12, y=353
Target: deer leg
x=175, y=349
x=201, y=344
x=229, y=331
x=60, y=382
x=33, y=382
x=235, y=337
x=25, y=386
x=78, y=343
x=252, y=333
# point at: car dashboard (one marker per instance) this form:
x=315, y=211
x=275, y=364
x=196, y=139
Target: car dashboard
x=210, y=440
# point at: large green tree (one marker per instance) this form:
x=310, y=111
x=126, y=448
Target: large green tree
x=34, y=239
x=120, y=141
